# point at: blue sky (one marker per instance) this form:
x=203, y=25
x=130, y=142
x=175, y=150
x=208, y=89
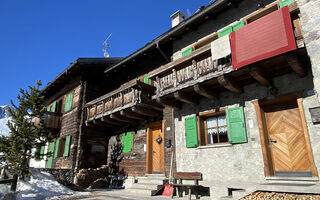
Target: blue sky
x=40, y=38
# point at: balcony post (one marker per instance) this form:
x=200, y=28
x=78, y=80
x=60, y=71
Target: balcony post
x=121, y=97
x=158, y=84
x=95, y=109
x=195, y=71
x=133, y=95
x=174, y=76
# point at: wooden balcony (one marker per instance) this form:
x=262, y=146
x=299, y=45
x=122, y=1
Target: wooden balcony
x=51, y=120
x=197, y=75
x=127, y=104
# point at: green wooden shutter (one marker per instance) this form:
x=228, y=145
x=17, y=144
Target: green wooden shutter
x=68, y=103
x=127, y=142
x=145, y=79
x=191, y=132
x=67, y=146
x=54, y=105
x=42, y=152
x=49, y=108
x=236, y=125
x=238, y=25
x=187, y=51
x=225, y=31
x=50, y=155
x=283, y=3
x=56, y=151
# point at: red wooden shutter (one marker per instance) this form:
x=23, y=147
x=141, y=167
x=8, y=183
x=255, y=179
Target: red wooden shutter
x=266, y=37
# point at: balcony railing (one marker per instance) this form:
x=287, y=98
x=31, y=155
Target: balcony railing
x=51, y=120
x=123, y=98
x=194, y=68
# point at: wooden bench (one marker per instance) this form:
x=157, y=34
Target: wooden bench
x=195, y=176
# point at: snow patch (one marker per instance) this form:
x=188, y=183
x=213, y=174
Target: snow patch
x=4, y=117
x=42, y=185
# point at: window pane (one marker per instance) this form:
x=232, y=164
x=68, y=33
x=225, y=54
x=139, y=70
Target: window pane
x=222, y=120
x=212, y=133
x=211, y=122
x=223, y=134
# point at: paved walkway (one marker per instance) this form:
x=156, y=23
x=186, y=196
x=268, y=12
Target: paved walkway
x=121, y=195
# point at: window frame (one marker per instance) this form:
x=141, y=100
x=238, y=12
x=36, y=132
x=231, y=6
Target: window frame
x=202, y=126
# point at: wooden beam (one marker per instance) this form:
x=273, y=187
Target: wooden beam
x=186, y=98
x=145, y=111
x=99, y=123
x=229, y=84
x=120, y=118
x=168, y=103
x=205, y=91
x=132, y=115
x=260, y=76
x=107, y=120
x=295, y=64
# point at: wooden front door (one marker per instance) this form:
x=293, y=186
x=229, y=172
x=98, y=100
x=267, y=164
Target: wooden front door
x=155, y=151
x=286, y=139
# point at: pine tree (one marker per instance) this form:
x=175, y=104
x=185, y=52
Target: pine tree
x=25, y=135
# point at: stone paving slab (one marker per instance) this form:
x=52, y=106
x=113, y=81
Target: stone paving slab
x=121, y=195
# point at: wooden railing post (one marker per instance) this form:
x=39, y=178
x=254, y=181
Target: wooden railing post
x=133, y=95
x=174, y=76
x=14, y=183
x=195, y=70
x=95, y=109
x=122, y=98
x=158, y=84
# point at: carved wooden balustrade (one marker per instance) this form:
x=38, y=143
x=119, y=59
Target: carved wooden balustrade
x=51, y=120
x=126, y=104
x=190, y=70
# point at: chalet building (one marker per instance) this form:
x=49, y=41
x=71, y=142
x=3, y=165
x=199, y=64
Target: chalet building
x=231, y=92
x=82, y=81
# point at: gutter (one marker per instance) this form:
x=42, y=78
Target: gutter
x=170, y=32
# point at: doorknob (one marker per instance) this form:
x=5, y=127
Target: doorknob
x=272, y=141
x=153, y=152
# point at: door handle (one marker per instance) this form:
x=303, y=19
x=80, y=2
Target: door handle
x=153, y=152
x=272, y=141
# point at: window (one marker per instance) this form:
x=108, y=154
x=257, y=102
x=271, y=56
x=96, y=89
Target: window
x=61, y=147
x=64, y=146
x=127, y=142
x=215, y=130
x=68, y=102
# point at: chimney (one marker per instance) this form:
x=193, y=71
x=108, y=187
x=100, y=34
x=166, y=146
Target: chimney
x=177, y=17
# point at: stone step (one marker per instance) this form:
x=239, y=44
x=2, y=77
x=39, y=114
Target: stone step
x=140, y=191
x=156, y=175
x=154, y=180
x=238, y=194
x=148, y=186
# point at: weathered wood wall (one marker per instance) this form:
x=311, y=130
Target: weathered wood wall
x=134, y=163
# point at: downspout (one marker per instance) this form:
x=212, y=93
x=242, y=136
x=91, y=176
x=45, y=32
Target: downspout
x=162, y=53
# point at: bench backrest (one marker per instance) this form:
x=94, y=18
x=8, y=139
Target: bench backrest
x=188, y=175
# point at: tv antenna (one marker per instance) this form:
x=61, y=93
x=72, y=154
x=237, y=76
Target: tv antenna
x=106, y=46
x=188, y=13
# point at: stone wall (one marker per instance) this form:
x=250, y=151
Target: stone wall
x=238, y=165
x=310, y=22
x=218, y=22
x=169, y=137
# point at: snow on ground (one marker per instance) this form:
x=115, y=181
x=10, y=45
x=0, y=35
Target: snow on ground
x=42, y=185
x=4, y=117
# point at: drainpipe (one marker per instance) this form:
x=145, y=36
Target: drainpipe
x=162, y=53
